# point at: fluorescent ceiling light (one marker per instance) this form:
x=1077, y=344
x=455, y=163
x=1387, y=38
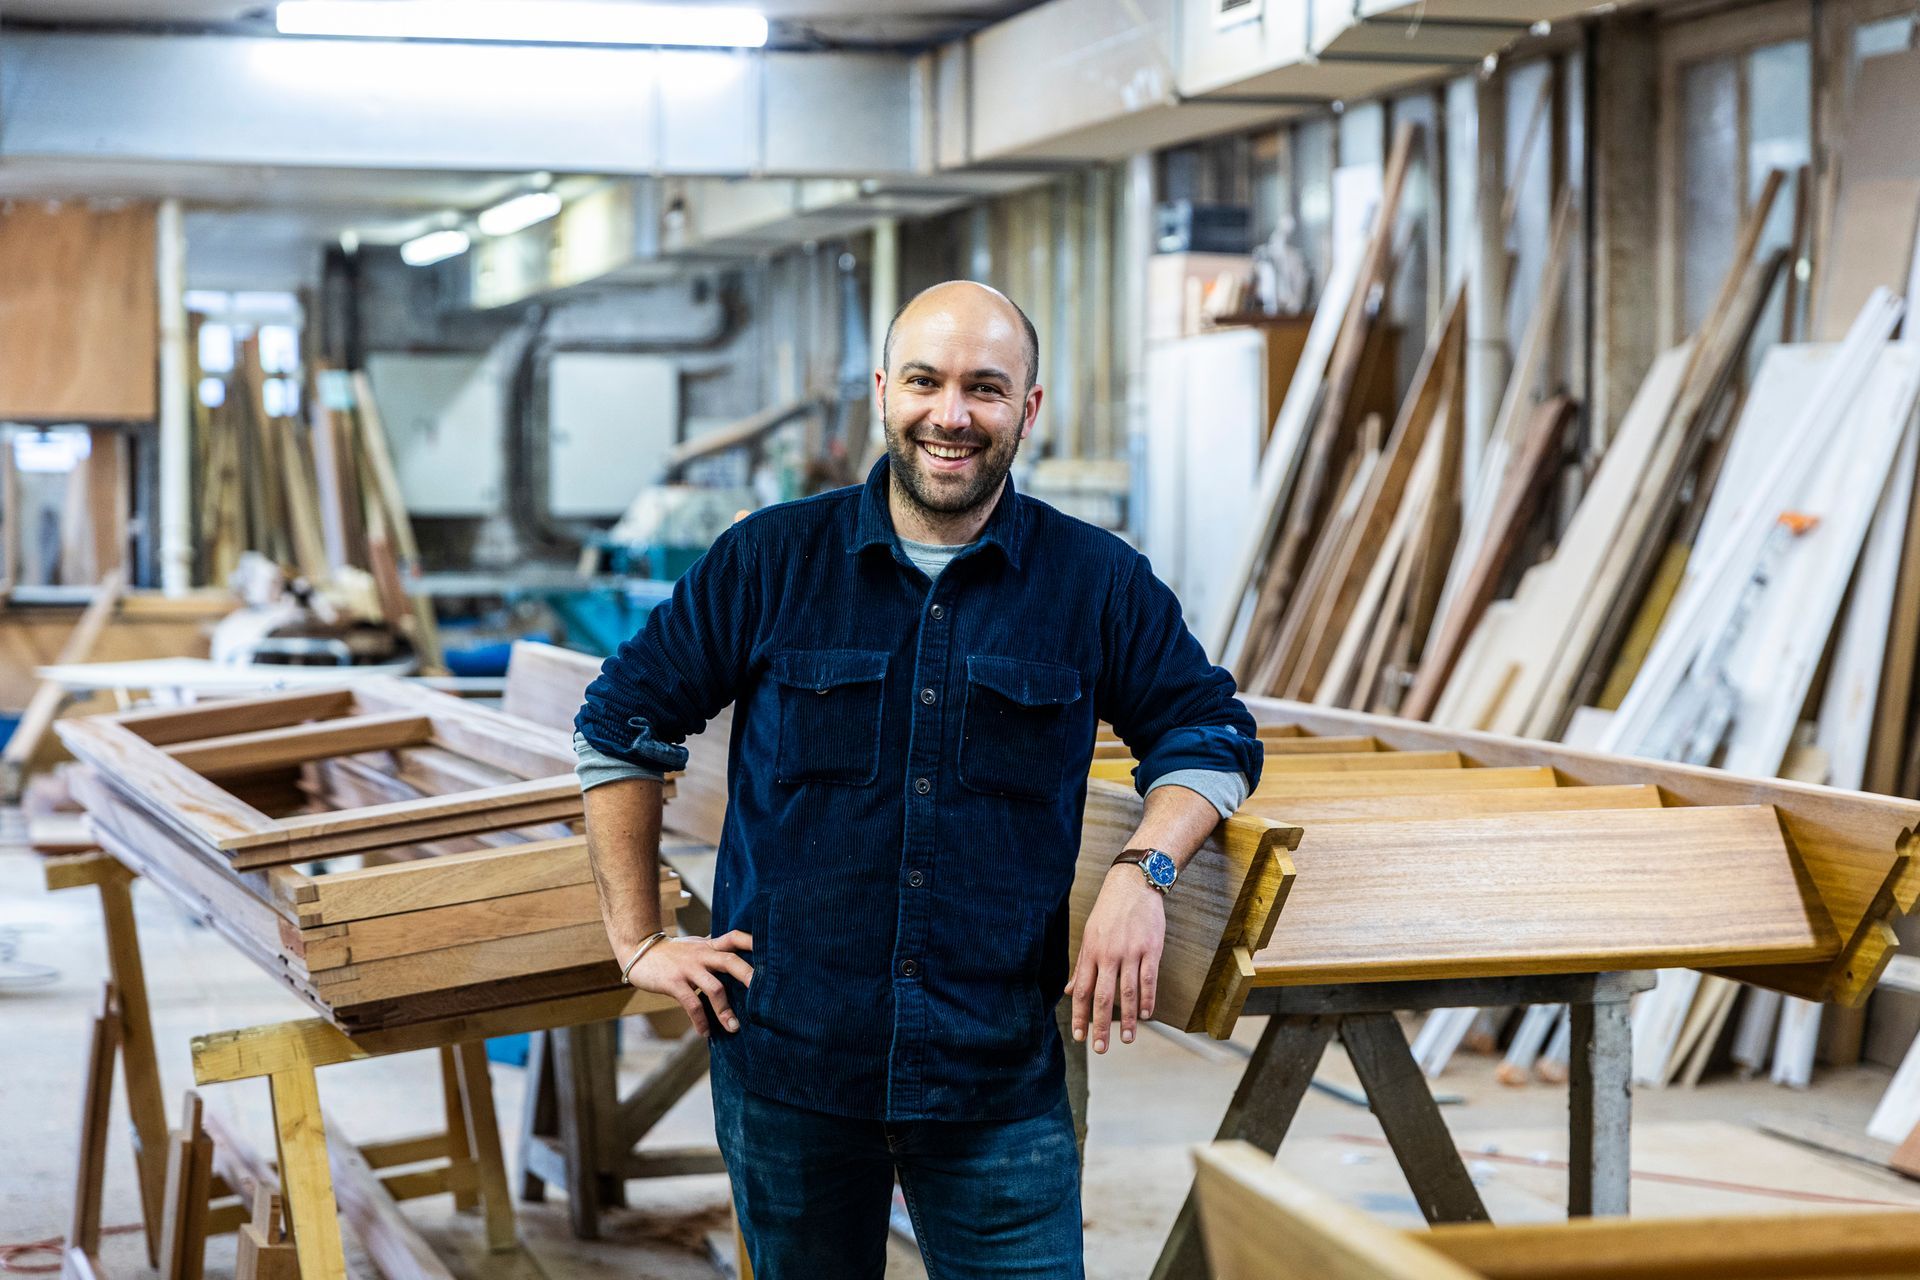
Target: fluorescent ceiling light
x=525, y=21
x=519, y=213
x=435, y=246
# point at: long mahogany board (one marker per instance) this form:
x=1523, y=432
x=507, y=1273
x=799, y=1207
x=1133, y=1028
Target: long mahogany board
x=1461, y=804
x=1109, y=749
x=1538, y=893
x=1339, y=762
x=1405, y=782
x=521, y=955
x=1857, y=847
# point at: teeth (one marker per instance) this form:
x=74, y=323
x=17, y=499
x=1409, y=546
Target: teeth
x=948, y=452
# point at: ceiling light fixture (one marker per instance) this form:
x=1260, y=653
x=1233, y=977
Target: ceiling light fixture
x=435, y=246
x=518, y=213
x=526, y=22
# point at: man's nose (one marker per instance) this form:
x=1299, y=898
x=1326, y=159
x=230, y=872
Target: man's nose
x=950, y=410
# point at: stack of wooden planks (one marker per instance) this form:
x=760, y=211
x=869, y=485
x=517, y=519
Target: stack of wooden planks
x=320, y=498
x=454, y=880
x=1427, y=853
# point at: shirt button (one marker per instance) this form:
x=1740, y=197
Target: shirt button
x=915, y=879
x=908, y=968
x=938, y=612
x=922, y=785
x=929, y=697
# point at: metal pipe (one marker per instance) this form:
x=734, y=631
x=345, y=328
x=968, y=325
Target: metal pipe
x=176, y=432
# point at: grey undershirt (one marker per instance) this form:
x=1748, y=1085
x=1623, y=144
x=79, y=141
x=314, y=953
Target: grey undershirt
x=1226, y=790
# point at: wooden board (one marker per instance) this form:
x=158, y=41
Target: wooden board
x=1463, y=804
x=1545, y=893
x=79, y=313
x=1856, y=847
x=1409, y=782
x=1230, y=899
x=1336, y=762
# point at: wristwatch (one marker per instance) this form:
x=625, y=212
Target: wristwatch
x=1159, y=869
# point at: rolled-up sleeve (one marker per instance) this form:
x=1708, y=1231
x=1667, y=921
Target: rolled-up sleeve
x=682, y=668
x=1174, y=709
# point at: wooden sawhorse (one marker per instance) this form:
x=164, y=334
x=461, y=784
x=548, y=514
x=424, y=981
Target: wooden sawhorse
x=1303, y=1021
x=287, y=1055
x=573, y=1118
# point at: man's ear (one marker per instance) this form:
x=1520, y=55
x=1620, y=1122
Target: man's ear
x=880, y=393
x=1031, y=409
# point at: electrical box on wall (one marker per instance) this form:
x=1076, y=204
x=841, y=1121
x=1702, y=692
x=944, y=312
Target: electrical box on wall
x=611, y=421
x=445, y=418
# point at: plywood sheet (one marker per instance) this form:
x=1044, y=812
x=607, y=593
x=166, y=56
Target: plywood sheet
x=79, y=316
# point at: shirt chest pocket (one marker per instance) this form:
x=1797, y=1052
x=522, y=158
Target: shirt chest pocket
x=1013, y=740
x=830, y=706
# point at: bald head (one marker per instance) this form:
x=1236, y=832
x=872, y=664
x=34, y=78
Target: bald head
x=968, y=306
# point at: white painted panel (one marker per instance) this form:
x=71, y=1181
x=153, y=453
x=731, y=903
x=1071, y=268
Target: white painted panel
x=445, y=418
x=611, y=419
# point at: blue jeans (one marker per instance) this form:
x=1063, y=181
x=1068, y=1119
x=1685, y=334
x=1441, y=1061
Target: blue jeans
x=996, y=1198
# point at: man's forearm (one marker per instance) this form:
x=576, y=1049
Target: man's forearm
x=1176, y=821
x=623, y=844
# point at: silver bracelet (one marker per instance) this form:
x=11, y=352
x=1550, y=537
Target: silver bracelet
x=645, y=947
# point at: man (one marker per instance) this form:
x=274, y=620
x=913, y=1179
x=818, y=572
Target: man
x=918, y=665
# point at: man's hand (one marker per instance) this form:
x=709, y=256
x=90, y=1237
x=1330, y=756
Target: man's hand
x=684, y=968
x=1119, y=953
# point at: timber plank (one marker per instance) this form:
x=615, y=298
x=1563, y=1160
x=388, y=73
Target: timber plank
x=277, y=748
x=454, y=878
x=1532, y=893
x=194, y=806
x=485, y=920
x=1464, y=804
x=308, y=836
x=1334, y=762
x=1405, y=782
x=1799, y=1244
x=515, y=956
x=163, y=726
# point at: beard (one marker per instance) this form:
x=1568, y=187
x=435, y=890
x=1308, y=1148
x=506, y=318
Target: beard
x=940, y=495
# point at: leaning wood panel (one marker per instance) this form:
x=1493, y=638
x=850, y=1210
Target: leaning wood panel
x=1463, y=804
x=1409, y=782
x=1856, y=847
x=1230, y=898
x=1545, y=893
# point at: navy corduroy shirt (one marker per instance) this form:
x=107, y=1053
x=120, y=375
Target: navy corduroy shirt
x=907, y=780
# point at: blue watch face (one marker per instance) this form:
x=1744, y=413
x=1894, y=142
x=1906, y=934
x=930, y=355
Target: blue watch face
x=1160, y=869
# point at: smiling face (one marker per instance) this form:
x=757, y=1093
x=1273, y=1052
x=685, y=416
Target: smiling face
x=955, y=400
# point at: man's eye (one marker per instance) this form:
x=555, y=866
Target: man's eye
x=987, y=389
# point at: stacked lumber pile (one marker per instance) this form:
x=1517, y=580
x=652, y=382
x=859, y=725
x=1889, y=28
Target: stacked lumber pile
x=453, y=877
x=320, y=498
x=1729, y=578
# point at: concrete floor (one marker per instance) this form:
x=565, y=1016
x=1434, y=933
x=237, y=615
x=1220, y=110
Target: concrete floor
x=1695, y=1152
